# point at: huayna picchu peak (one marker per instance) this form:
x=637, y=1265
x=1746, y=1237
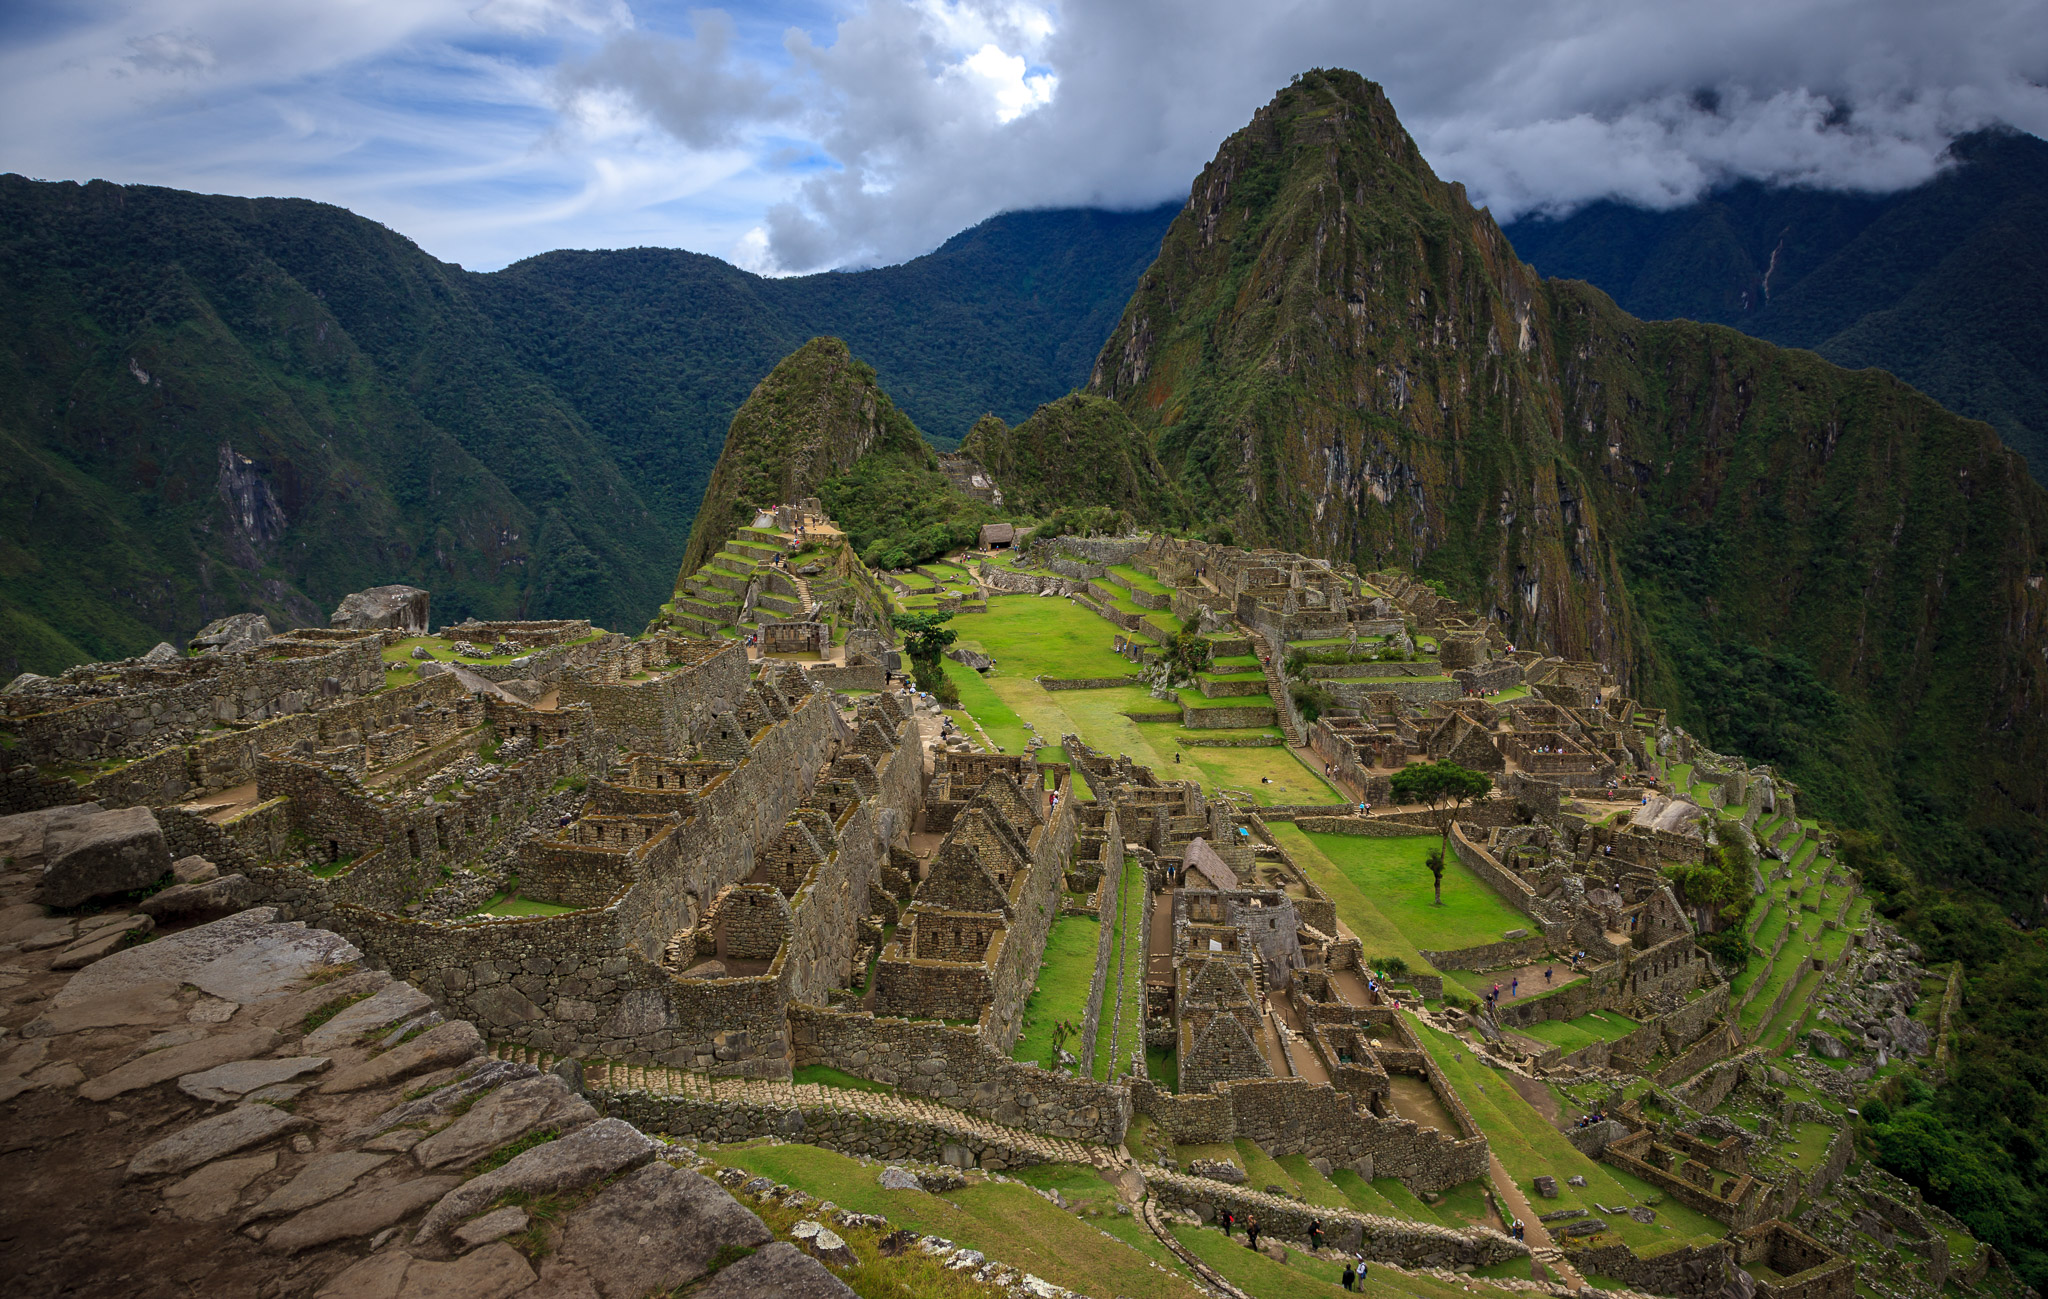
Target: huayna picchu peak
x=1405, y=779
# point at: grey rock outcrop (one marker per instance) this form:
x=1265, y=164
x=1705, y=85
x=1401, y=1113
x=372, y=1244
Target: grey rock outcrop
x=100, y=855
x=399, y=608
x=237, y=631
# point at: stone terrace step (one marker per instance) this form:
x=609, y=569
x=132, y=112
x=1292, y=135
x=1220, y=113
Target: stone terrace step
x=657, y=1080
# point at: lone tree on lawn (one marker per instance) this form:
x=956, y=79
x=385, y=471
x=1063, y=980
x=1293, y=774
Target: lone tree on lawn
x=925, y=639
x=1445, y=787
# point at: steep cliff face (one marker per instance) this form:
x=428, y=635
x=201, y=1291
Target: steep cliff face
x=816, y=414
x=1336, y=352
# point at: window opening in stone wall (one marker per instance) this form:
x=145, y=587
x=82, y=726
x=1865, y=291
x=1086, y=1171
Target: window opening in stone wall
x=412, y=842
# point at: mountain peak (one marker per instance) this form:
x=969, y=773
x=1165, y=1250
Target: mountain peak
x=816, y=413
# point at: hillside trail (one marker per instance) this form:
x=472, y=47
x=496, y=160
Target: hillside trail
x=1542, y=1250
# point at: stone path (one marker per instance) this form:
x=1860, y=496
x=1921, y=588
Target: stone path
x=613, y=1076
x=1541, y=1248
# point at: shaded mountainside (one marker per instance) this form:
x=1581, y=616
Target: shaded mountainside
x=1081, y=451
x=657, y=347
x=214, y=404
x=1337, y=353
x=1939, y=284
x=210, y=405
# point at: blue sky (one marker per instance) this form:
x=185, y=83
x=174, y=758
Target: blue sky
x=796, y=136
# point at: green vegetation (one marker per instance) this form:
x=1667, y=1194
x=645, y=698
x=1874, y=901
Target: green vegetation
x=1009, y=1222
x=1117, y=1036
x=1395, y=875
x=1059, y=998
x=1443, y=787
x=826, y=1076
x=514, y=905
x=1079, y=451
x=1572, y=1034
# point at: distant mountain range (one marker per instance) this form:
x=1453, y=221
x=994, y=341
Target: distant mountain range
x=1942, y=284
x=213, y=404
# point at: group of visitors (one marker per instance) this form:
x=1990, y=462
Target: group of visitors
x=1354, y=1268
x=1588, y=1120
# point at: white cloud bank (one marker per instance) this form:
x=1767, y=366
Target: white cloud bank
x=791, y=142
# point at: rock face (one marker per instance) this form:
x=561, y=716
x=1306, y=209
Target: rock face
x=657, y=1229
x=237, y=631
x=398, y=608
x=101, y=854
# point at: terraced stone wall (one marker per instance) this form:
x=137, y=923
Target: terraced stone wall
x=957, y=1066
x=1386, y=1240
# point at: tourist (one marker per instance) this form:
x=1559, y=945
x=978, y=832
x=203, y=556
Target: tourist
x=1546, y=974
x=1251, y=1231
x=1515, y=986
x=1315, y=1233
x=1226, y=1218
x=1349, y=1277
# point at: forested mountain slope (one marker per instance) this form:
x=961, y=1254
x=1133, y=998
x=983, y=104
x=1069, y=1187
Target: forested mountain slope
x=1940, y=284
x=1337, y=353
x=214, y=404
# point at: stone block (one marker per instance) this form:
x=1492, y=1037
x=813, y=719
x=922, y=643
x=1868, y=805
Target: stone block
x=101, y=855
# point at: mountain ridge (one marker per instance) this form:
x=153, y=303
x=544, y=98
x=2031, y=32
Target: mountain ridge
x=1338, y=354
x=1933, y=283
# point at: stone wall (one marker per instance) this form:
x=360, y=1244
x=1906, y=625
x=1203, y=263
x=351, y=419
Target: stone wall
x=1292, y=1116
x=176, y=703
x=923, y=1139
x=1386, y=1240
x=1487, y=956
x=1513, y=889
x=1691, y=1272
x=1230, y=718
x=955, y=1066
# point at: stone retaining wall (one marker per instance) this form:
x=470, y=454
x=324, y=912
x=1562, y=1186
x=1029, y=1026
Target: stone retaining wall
x=1487, y=956
x=951, y=1064
x=1222, y=719
x=1386, y=1240
x=1109, y=894
x=848, y=1131
x=1691, y=1272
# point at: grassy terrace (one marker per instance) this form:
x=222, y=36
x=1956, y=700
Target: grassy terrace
x=1061, y=993
x=502, y=905
x=1359, y=913
x=1527, y=1145
x=1140, y=580
x=1574, y=1034
x=1392, y=873
x=1006, y=1221
x=1116, y=1037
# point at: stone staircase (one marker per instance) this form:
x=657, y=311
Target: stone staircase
x=1276, y=687
x=600, y=1075
x=806, y=605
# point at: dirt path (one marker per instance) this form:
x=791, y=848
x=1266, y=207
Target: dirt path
x=1541, y=1248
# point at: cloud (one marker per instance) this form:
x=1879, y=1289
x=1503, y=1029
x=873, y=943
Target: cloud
x=794, y=135
x=937, y=114
x=170, y=52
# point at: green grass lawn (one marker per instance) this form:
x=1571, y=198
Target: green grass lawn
x=1001, y=723
x=1573, y=1034
x=1527, y=1145
x=1117, y=1037
x=1032, y=636
x=1246, y=769
x=1142, y=581
x=1392, y=873
x=1380, y=936
x=1304, y=1276
x=1061, y=993
x=1008, y=1222
x=825, y=1075
x=517, y=906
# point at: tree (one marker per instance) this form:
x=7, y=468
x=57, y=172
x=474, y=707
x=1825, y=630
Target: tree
x=924, y=638
x=1444, y=787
